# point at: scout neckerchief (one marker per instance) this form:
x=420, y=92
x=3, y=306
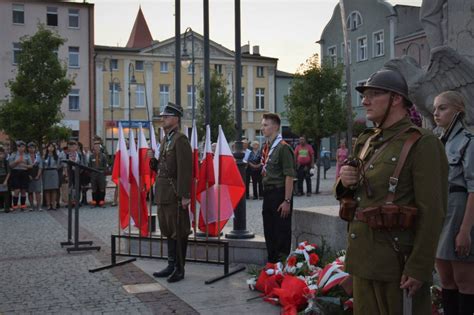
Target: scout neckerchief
x=266, y=154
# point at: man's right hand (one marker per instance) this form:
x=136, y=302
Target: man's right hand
x=349, y=176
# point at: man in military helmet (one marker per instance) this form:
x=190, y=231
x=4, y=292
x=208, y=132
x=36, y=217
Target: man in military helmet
x=394, y=194
x=172, y=195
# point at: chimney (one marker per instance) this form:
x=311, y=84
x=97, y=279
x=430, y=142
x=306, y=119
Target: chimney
x=256, y=50
x=245, y=49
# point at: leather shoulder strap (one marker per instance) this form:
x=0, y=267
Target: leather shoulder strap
x=393, y=181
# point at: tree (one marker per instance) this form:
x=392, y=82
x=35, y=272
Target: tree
x=221, y=109
x=314, y=105
x=34, y=107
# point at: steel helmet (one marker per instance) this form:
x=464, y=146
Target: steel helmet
x=388, y=80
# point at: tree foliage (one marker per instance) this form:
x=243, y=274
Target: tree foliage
x=36, y=93
x=221, y=109
x=314, y=105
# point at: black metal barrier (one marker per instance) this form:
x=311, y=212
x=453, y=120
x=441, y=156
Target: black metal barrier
x=74, y=189
x=204, y=242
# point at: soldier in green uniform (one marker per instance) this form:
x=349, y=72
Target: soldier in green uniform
x=173, y=185
x=278, y=172
x=395, y=210
x=98, y=160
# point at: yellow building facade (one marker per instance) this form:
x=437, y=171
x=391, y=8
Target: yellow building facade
x=134, y=84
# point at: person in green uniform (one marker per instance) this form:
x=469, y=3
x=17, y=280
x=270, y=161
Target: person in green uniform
x=172, y=192
x=98, y=160
x=397, y=214
x=278, y=172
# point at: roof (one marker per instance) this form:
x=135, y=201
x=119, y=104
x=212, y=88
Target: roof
x=140, y=36
x=283, y=74
x=115, y=48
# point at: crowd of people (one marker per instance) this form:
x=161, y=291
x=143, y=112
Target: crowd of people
x=33, y=179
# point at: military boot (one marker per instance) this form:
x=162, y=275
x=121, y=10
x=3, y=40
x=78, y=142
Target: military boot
x=171, y=261
x=178, y=272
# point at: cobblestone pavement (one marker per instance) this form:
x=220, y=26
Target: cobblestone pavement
x=38, y=276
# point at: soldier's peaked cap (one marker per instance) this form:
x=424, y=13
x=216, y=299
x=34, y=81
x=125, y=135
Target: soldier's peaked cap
x=389, y=80
x=172, y=110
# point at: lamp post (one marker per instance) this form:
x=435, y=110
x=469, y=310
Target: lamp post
x=131, y=81
x=187, y=62
x=113, y=80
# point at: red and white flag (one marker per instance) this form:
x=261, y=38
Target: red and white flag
x=137, y=194
x=228, y=189
x=155, y=146
x=205, y=189
x=195, y=171
x=144, y=165
x=120, y=175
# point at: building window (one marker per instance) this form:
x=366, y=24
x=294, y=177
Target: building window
x=354, y=20
x=260, y=72
x=191, y=91
x=218, y=68
x=16, y=52
x=378, y=40
x=52, y=16
x=73, y=18
x=343, y=51
x=114, y=64
x=18, y=14
x=140, y=95
x=164, y=95
x=242, y=97
x=259, y=98
x=191, y=68
x=359, y=98
x=114, y=89
x=332, y=54
x=163, y=67
x=139, y=65
x=74, y=100
x=362, y=48
x=73, y=57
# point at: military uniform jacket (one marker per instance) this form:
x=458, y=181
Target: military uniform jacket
x=422, y=183
x=174, y=169
x=99, y=163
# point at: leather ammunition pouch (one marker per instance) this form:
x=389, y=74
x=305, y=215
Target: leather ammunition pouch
x=347, y=208
x=388, y=217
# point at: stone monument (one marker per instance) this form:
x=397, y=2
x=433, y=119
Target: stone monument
x=449, y=28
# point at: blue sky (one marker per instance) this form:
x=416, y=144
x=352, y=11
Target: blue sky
x=284, y=29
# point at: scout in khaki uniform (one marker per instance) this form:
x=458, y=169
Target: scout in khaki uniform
x=173, y=185
x=394, y=195
x=278, y=173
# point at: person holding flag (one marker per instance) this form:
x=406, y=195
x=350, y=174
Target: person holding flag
x=173, y=191
x=278, y=173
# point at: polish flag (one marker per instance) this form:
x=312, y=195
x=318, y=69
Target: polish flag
x=195, y=171
x=120, y=178
x=155, y=146
x=144, y=165
x=137, y=194
x=205, y=188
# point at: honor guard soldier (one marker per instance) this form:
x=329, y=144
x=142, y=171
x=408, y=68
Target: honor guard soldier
x=393, y=193
x=172, y=195
x=98, y=160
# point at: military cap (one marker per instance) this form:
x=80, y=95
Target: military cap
x=172, y=110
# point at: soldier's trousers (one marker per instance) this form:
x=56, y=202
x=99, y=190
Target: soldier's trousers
x=98, y=182
x=174, y=230
x=277, y=230
x=386, y=298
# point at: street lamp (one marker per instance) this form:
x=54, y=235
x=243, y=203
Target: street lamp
x=186, y=62
x=131, y=81
x=113, y=80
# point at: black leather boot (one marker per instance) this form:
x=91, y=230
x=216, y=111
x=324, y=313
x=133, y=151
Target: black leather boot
x=450, y=301
x=466, y=304
x=171, y=261
x=178, y=272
